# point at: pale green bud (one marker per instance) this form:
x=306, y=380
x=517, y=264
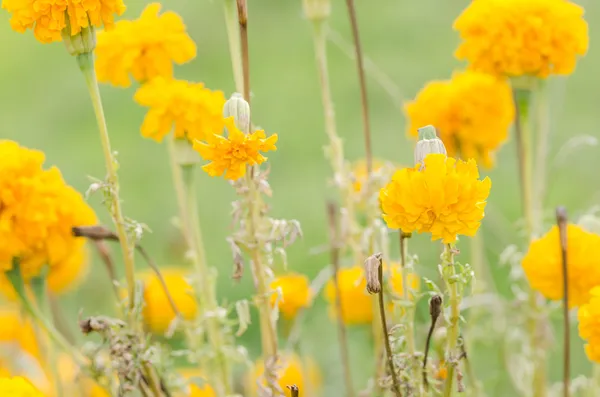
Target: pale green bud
x=83, y=42
x=428, y=143
x=237, y=107
x=184, y=153
x=317, y=10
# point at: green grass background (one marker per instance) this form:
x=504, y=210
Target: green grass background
x=44, y=105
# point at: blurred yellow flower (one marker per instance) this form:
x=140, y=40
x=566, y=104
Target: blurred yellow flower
x=194, y=390
x=359, y=172
x=291, y=371
x=522, y=37
x=67, y=274
x=145, y=48
x=446, y=198
x=543, y=264
x=38, y=213
x=589, y=324
x=48, y=18
x=158, y=313
x=18, y=387
x=357, y=305
x=230, y=155
x=188, y=109
x=295, y=293
x=396, y=280
x=472, y=113
x=18, y=331
x=73, y=380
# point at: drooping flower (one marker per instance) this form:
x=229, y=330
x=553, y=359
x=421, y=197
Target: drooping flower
x=230, y=155
x=47, y=18
x=143, y=48
x=295, y=293
x=445, y=199
x=292, y=370
x=357, y=305
x=194, y=389
x=157, y=312
x=18, y=387
x=37, y=212
x=543, y=264
x=472, y=112
x=589, y=324
x=190, y=110
x=522, y=37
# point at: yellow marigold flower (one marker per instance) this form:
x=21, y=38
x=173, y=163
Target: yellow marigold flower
x=230, y=155
x=48, y=18
x=18, y=387
x=158, y=313
x=38, y=213
x=18, y=331
x=446, y=198
x=522, y=37
x=472, y=112
x=189, y=109
x=589, y=324
x=145, y=47
x=295, y=293
x=193, y=389
x=291, y=371
x=357, y=305
x=67, y=274
x=543, y=264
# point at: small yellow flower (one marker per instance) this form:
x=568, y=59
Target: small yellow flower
x=589, y=324
x=445, y=199
x=472, y=112
x=18, y=387
x=158, y=313
x=194, y=390
x=357, y=305
x=145, y=48
x=48, y=18
x=230, y=155
x=522, y=37
x=291, y=372
x=189, y=109
x=295, y=293
x=543, y=264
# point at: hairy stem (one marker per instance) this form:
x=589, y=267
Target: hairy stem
x=452, y=355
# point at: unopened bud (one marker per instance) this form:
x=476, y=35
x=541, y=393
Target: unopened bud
x=372, y=269
x=239, y=109
x=83, y=42
x=435, y=307
x=317, y=10
x=428, y=143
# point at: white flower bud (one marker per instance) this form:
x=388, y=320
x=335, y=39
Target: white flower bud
x=428, y=143
x=237, y=107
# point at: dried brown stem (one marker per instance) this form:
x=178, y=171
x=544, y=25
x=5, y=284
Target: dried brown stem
x=435, y=309
x=294, y=391
x=109, y=264
x=242, y=8
x=561, y=221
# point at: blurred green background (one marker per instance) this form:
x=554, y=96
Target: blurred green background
x=44, y=105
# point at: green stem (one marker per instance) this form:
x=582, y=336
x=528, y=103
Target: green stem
x=452, y=354
x=86, y=64
x=233, y=35
x=543, y=137
x=409, y=312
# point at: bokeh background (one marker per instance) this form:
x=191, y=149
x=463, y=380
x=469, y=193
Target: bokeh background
x=44, y=105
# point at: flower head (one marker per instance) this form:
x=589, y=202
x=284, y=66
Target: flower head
x=189, y=109
x=295, y=293
x=472, y=112
x=445, y=199
x=193, y=389
x=230, y=155
x=145, y=48
x=291, y=370
x=543, y=264
x=522, y=37
x=357, y=305
x=589, y=324
x=158, y=313
x=18, y=387
x=18, y=331
x=48, y=18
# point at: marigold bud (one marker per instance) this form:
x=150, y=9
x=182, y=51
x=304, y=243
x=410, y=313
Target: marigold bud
x=428, y=143
x=317, y=10
x=239, y=109
x=83, y=42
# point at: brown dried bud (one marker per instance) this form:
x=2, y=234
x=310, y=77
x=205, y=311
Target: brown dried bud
x=372, y=270
x=435, y=307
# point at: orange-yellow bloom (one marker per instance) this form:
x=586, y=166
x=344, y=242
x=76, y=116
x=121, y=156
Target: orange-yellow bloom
x=522, y=37
x=445, y=199
x=144, y=48
x=589, y=324
x=357, y=305
x=472, y=113
x=291, y=371
x=295, y=293
x=48, y=18
x=189, y=109
x=230, y=155
x=18, y=387
x=18, y=331
x=194, y=390
x=543, y=264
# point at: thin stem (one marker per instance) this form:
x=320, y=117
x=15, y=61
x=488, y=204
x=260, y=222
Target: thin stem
x=242, y=8
x=561, y=221
x=294, y=391
x=180, y=192
x=453, y=327
x=408, y=311
x=86, y=64
x=543, y=138
x=110, y=268
x=435, y=309
x=233, y=35
x=386, y=336
x=154, y=381
x=363, y=84
x=335, y=263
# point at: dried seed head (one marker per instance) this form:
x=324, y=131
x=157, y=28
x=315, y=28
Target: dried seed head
x=372, y=265
x=428, y=143
x=239, y=109
x=317, y=10
x=435, y=307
